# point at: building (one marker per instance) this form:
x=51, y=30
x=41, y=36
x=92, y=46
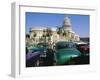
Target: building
x=45, y=34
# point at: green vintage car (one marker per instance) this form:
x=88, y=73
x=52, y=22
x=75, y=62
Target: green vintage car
x=65, y=51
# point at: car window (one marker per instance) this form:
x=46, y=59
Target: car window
x=66, y=45
x=72, y=45
x=43, y=44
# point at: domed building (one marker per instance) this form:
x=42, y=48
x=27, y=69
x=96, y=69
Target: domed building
x=41, y=34
x=67, y=24
x=67, y=33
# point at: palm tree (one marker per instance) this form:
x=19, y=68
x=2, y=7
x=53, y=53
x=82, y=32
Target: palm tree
x=62, y=33
x=59, y=31
x=34, y=35
x=27, y=36
x=44, y=35
x=65, y=34
x=49, y=33
x=27, y=39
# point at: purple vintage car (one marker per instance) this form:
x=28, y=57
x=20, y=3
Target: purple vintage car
x=32, y=57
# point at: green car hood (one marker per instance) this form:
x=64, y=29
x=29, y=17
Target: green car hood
x=64, y=55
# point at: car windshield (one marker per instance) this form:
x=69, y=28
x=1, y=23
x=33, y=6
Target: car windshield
x=43, y=44
x=65, y=45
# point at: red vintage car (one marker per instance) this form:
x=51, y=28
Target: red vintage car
x=83, y=48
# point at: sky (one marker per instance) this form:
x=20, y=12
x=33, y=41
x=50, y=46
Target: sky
x=80, y=23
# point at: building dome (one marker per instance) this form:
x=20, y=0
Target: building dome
x=67, y=23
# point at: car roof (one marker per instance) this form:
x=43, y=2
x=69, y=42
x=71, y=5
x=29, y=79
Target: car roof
x=42, y=43
x=63, y=42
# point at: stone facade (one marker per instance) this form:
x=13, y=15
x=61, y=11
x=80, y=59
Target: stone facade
x=36, y=33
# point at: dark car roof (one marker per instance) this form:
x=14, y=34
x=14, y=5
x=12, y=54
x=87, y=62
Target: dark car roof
x=65, y=44
x=42, y=43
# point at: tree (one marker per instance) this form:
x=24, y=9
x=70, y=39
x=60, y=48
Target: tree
x=63, y=33
x=47, y=33
x=44, y=35
x=59, y=31
x=27, y=36
x=27, y=39
x=34, y=35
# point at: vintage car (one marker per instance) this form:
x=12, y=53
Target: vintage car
x=65, y=51
x=83, y=48
x=34, y=54
x=47, y=58
x=32, y=57
x=45, y=45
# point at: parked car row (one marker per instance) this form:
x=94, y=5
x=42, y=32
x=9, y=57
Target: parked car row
x=63, y=53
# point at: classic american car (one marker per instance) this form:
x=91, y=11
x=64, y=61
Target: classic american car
x=34, y=53
x=83, y=48
x=32, y=57
x=47, y=58
x=65, y=51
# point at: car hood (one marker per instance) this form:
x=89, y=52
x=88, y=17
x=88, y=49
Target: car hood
x=64, y=55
